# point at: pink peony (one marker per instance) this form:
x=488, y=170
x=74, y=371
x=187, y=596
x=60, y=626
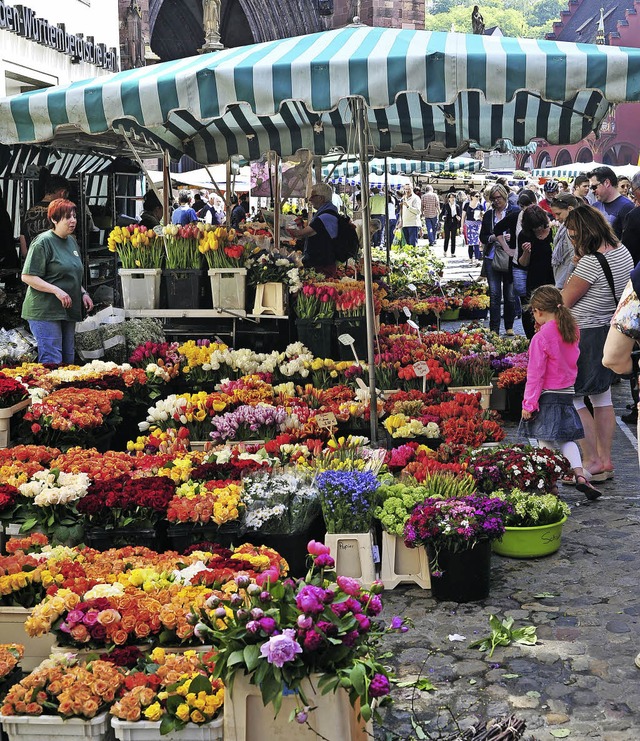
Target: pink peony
x=316, y=548
x=348, y=585
x=282, y=648
x=310, y=599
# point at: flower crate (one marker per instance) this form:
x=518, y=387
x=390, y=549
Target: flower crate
x=354, y=555
x=140, y=288
x=401, y=564
x=270, y=299
x=147, y=730
x=485, y=391
x=184, y=288
x=12, y=620
x=228, y=287
x=317, y=336
x=247, y=719
x=6, y=413
x=450, y=315
x=32, y=728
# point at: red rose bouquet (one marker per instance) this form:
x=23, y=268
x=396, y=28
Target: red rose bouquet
x=11, y=391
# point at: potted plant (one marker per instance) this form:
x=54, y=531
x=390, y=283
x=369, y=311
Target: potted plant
x=346, y=498
x=471, y=372
x=265, y=271
x=170, y=694
x=534, y=527
x=62, y=699
x=307, y=648
x=457, y=533
x=397, y=501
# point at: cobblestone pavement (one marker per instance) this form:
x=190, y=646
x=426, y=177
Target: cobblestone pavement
x=579, y=681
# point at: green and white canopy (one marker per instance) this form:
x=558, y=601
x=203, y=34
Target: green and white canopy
x=430, y=93
x=394, y=166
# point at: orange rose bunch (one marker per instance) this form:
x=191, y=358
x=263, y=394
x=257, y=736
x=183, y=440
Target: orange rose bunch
x=98, y=466
x=211, y=501
x=65, y=689
x=10, y=655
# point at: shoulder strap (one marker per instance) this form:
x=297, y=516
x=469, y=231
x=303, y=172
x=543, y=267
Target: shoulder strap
x=607, y=274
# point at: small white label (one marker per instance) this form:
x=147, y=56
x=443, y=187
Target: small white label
x=407, y=311
x=361, y=384
x=375, y=552
x=412, y=287
x=421, y=369
x=412, y=324
x=328, y=419
x=346, y=339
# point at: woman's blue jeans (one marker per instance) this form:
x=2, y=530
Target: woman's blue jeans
x=56, y=340
x=500, y=289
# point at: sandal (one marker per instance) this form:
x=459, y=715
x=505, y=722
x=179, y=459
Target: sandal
x=590, y=492
x=568, y=480
x=600, y=477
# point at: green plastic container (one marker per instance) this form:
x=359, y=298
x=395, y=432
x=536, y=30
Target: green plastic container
x=530, y=542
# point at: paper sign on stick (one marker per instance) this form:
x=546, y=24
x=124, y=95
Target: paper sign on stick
x=326, y=420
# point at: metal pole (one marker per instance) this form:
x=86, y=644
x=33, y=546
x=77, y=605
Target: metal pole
x=386, y=213
x=360, y=110
x=276, y=206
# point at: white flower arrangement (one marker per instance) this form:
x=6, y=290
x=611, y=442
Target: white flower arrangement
x=105, y=590
x=48, y=488
x=186, y=575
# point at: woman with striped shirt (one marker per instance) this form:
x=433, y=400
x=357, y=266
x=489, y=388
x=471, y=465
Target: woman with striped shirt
x=592, y=293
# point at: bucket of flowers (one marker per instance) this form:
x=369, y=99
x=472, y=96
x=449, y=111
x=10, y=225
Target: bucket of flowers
x=457, y=533
x=315, y=306
x=534, y=527
x=62, y=699
x=470, y=372
x=169, y=694
x=225, y=258
x=183, y=275
x=274, y=274
x=308, y=648
x=141, y=253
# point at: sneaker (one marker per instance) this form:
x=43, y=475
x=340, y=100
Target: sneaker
x=510, y=333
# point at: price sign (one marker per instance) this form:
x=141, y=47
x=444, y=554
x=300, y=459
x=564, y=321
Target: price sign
x=413, y=325
x=421, y=369
x=412, y=287
x=407, y=311
x=362, y=385
x=346, y=339
x=328, y=420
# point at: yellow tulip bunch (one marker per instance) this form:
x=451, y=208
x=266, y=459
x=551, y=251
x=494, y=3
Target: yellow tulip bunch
x=217, y=244
x=137, y=246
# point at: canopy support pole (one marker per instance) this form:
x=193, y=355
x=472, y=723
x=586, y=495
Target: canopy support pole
x=167, y=195
x=359, y=108
x=150, y=182
x=387, y=240
x=227, y=196
x=277, y=188
x=213, y=180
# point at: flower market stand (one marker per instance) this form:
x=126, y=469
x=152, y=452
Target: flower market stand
x=401, y=564
x=6, y=413
x=530, y=542
x=140, y=288
x=247, y=719
x=147, y=730
x=354, y=555
x=29, y=727
x=104, y=539
x=464, y=576
x=485, y=391
x=12, y=620
x=270, y=299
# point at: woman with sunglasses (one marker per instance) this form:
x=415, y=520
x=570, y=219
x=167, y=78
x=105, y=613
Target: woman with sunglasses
x=500, y=283
x=591, y=293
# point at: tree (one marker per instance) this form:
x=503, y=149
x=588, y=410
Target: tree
x=512, y=21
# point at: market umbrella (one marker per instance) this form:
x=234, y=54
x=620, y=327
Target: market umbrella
x=370, y=90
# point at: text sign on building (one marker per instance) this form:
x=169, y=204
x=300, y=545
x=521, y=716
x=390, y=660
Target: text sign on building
x=24, y=22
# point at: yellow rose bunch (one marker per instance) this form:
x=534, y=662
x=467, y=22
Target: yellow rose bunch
x=211, y=501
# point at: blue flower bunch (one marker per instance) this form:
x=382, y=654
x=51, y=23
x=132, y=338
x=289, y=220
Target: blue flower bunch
x=347, y=500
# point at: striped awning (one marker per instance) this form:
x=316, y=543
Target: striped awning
x=428, y=92
x=396, y=166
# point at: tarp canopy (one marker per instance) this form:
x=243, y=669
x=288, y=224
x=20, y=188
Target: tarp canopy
x=375, y=181
x=202, y=179
x=580, y=168
x=395, y=166
x=430, y=92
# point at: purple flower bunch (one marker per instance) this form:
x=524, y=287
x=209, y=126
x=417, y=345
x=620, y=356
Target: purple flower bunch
x=346, y=498
x=456, y=524
x=283, y=631
x=249, y=422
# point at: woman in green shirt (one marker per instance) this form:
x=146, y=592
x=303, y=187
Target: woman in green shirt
x=55, y=296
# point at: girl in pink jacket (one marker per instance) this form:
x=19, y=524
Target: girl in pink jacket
x=547, y=410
